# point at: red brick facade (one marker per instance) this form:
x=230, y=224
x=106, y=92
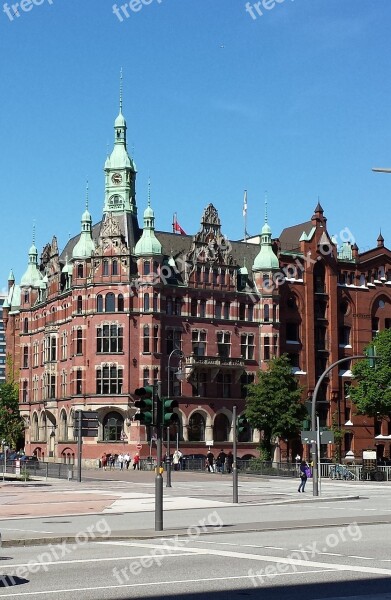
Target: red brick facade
x=97, y=328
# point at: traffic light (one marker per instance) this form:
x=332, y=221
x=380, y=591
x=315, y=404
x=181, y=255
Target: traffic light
x=168, y=416
x=242, y=424
x=146, y=416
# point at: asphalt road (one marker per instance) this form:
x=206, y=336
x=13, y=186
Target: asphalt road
x=337, y=562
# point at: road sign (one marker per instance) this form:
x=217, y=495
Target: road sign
x=139, y=446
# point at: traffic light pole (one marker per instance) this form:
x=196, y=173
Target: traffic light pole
x=234, y=464
x=79, y=446
x=158, y=477
x=168, y=460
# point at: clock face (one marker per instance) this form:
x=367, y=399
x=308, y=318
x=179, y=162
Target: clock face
x=116, y=178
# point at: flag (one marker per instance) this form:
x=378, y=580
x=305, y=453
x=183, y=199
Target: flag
x=176, y=227
x=245, y=204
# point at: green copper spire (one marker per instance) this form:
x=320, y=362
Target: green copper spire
x=266, y=260
x=148, y=244
x=32, y=277
x=85, y=245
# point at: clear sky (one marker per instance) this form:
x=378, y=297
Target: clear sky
x=295, y=101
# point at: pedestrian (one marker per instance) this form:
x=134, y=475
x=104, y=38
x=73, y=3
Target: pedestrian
x=121, y=461
x=303, y=476
x=229, y=461
x=112, y=461
x=209, y=461
x=104, y=461
x=220, y=462
x=176, y=459
x=127, y=460
x=136, y=462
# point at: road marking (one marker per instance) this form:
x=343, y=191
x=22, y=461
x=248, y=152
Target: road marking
x=87, y=560
x=264, y=558
x=27, y=530
x=180, y=582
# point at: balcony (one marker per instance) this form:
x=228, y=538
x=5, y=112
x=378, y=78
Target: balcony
x=216, y=364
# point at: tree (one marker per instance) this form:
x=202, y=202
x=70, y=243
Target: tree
x=371, y=392
x=11, y=423
x=274, y=405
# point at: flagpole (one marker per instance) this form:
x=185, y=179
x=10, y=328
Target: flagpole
x=245, y=215
x=173, y=222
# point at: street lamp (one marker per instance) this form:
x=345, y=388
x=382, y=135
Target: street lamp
x=180, y=375
x=314, y=429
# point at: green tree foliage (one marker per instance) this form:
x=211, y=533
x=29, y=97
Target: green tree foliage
x=11, y=423
x=273, y=403
x=371, y=392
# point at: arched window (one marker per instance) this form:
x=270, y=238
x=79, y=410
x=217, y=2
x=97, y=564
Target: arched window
x=105, y=267
x=80, y=270
x=146, y=302
x=113, y=426
x=25, y=325
x=99, y=303
x=35, y=428
x=25, y=391
x=146, y=346
x=155, y=303
x=202, y=308
x=110, y=302
x=196, y=428
x=221, y=428
x=114, y=267
x=169, y=305
x=218, y=310
x=63, y=426
x=79, y=304
x=120, y=303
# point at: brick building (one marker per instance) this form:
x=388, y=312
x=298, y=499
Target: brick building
x=124, y=305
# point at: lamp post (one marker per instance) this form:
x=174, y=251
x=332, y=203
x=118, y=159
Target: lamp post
x=314, y=428
x=180, y=375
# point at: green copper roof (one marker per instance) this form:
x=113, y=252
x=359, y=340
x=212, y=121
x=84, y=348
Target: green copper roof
x=11, y=276
x=85, y=245
x=32, y=277
x=266, y=260
x=148, y=243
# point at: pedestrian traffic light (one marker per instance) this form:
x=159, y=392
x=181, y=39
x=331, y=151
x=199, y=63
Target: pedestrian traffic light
x=146, y=416
x=168, y=416
x=242, y=424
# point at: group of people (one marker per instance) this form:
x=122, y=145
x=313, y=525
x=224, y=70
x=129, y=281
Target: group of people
x=222, y=464
x=122, y=461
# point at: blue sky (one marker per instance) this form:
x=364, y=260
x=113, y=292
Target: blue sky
x=296, y=102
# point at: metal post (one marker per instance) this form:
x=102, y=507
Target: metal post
x=168, y=460
x=234, y=465
x=318, y=444
x=79, y=447
x=314, y=452
x=158, y=477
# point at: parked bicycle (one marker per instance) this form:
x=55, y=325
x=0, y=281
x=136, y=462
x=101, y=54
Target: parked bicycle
x=340, y=472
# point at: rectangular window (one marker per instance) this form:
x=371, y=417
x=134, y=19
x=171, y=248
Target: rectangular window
x=224, y=344
x=242, y=312
x=109, y=380
x=79, y=382
x=227, y=309
x=344, y=336
x=79, y=341
x=199, y=384
x=173, y=340
x=36, y=355
x=247, y=348
x=52, y=388
x=218, y=310
x=266, y=348
x=25, y=357
x=198, y=339
x=292, y=332
x=145, y=377
x=64, y=346
x=245, y=380
x=109, y=339
x=224, y=382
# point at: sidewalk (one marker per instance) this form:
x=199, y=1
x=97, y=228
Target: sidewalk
x=101, y=494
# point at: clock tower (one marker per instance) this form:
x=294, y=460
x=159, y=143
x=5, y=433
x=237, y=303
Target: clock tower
x=120, y=171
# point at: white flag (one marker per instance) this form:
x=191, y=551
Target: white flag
x=245, y=203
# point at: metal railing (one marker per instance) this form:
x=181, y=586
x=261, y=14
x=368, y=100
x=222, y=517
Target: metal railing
x=38, y=469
